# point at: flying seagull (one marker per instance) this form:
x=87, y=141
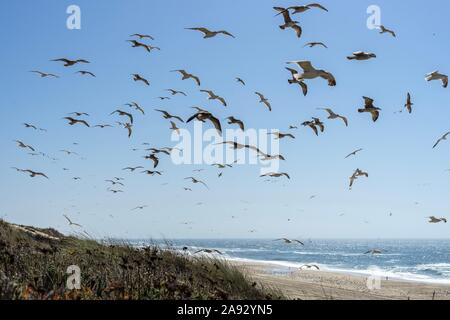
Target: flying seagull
x=444, y=137
x=73, y=121
x=195, y=181
x=154, y=158
x=44, y=74
x=137, y=77
x=433, y=219
x=301, y=9
x=72, y=223
x=358, y=173
x=383, y=30
x=124, y=114
x=20, y=144
x=132, y=169
x=209, y=251
x=314, y=44
x=167, y=115
x=438, y=76
x=279, y=135
x=289, y=241
x=34, y=174
x=288, y=22
x=354, y=153
x=142, y=36
x=276, y=175
x=309, y=72
x=69, y=63
x=264, y=100
x=332, y=115
x=370, y=108
x=136, y=44
x=210, y=34
x=296, y=80
x=233, y=120
x=186, y=75
x=203, y=116
x=409, y=104
x=86, y=73
x=213, y=96
x=240, y=81
x=374, y=251
x=360, y=56
x=175, y=92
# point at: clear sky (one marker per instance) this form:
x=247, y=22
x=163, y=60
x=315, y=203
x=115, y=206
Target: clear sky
x=407, y=177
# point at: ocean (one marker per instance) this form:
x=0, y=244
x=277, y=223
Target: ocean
x=411, y=260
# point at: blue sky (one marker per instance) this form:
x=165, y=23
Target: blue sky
x=398, y=156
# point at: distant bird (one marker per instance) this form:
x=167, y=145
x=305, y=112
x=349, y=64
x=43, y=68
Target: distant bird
x=319, y=123
x=167, y=115
x=175, y=92
x=27, y=125
x=240, y=81
x=209, y=251
x=103, y=126
x=163, y=98
x=358, y=173
x=289, y=241
x=136, y=44
x=44, y=74
x=438, y=76
x=272, y=157
x=314, y=44
x=203, y=116
x=370, y=108
x=354, y=153
x=136, y=106
x=213, y=96
x=124, y=114
x=222, y=166
x=301, y=9
x=279, y=135
x=186, y=75
x=187, y=189
x=139, y=208
x=309, y=72
x=137, y=77
x=409, y=104
x=115, y=183
x=293, y=127
x=115, y=191
x=142, y=36
x=233, y=120
x=129, y=127
x=69, y=63
x=374, y=252
x=20, y=144
x=69, y=153
x=361, y=55
x=433, y=219
x=443, y=138
x=79, y=114
x=210, y=34
x=196, y=181
x=310, y=266
x=132, y=169
x=383, y=29
x=84, y=73
x=34, y=174
x=312, y=125
x=264, y=100
x=72, y=223
x=153, y=158
x=332, y=115
x=276, y=175
x=174, y=127
x=152, y=173
x=73, y=121
x=296, y=80
x=288, y=22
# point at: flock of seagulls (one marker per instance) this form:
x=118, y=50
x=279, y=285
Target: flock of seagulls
x=301, y=73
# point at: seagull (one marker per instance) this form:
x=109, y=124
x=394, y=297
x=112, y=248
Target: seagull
x=69, y=63
x=310, y=266
x=124, y=114
x=34, y=174
x=213, y=96
x=69, y=153
x=167, y=115
x=275, y=175
x=210, y=34
x=137, y=77
x=383, y=29
x=264, y=100
x=103, y=126
x=152, y=173
x=433, y=219
x=163, y=98
x=44, y=74
x=354, y=153
x=333, y=116
x=233, y=120
x=444, y=137
x=209, y=251
x=289, y=241
x=319, y=124
x=312, y=125
x=72, y=223
x=238, y=146
x=203, y=116
x=84, y=73
x=409, y=104
x=136, y=106
x=174, y=127
x=296, y=80
x=195, y=181
x=27, y=125
x=20, y=144
x=360, y=55
x=374, y=251
x=79, y=114
x=271, y=158
x=301, y=9
x=438, y=76
x=142, y=36
x=154, y=158
x=139, y=208
x=73, y=121
x=309, y=72
x=293, y=127
x=115, y=191
x=358, y=173
x=288, y=22
x=186, y=75
x=147, y=47
x=370, y=108
x=175, y=92
x=279, y=135
x=313, y=44
x=115, y=183
x=240, y=81
x=132, y=169
x=129, y=127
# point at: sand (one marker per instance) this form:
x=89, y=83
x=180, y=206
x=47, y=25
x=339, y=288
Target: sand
x=324, y=285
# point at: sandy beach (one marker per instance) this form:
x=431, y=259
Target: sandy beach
x=319, y=285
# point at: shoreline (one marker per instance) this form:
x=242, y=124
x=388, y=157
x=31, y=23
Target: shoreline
x=333, y=285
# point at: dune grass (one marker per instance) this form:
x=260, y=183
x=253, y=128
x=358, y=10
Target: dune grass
x=33, y=265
